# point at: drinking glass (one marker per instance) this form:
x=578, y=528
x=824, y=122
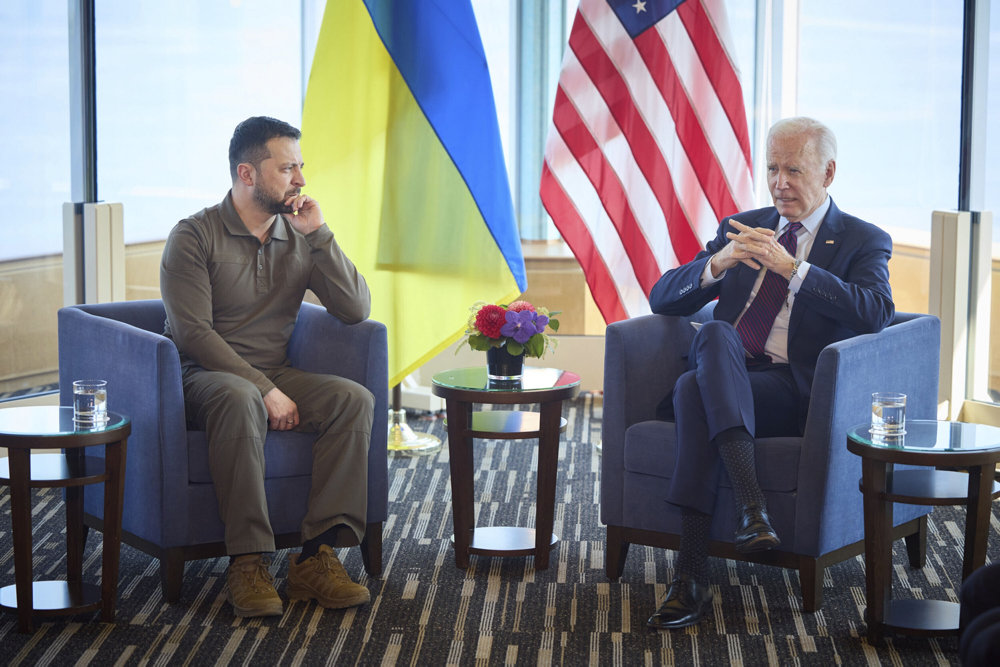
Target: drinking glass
x=888, y=414
x=90, y=403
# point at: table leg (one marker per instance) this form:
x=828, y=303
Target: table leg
x=548, y=462
x=460, y=455
x=74, y=519
x=114, y=492
x=878, y=554
x=20, y=527
x=977, y=518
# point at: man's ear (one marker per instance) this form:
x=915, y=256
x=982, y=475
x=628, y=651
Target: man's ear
x=831, y=169
x=246, y=173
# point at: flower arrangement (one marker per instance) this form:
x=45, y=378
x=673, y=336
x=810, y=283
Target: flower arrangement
x=520, y=327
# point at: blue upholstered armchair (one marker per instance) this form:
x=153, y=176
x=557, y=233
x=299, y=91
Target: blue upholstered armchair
x=811, y=483
x=170, y=508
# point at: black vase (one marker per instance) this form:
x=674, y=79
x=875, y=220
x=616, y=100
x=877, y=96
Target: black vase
x=502, y=365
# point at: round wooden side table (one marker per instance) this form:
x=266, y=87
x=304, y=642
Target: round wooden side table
x=24, y=430
x=933, y=444
x=463, y=387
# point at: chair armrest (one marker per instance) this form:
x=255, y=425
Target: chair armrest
x=321, y=343
x=643, y=357
x=144, y=383
x=903, y=357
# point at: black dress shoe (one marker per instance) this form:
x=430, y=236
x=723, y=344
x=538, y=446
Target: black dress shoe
x=686, y=604
x=754, y=532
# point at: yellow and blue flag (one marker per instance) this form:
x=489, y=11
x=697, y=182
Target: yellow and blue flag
x=402, y=150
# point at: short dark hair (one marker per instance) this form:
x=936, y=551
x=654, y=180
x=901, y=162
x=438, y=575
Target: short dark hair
x=249, y=142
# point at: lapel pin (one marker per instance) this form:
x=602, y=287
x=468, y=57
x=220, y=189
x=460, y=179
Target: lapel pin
x=829, y=242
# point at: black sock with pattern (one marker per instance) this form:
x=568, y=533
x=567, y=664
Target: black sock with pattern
x=736, y=449
x=692, y=558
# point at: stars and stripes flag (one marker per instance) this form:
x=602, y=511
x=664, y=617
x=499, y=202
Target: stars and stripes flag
x=648, y=147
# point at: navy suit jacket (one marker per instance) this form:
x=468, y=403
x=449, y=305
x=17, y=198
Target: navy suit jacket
x=846, y=291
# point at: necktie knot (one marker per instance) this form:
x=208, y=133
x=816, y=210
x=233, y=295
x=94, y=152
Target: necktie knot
x=789, y=238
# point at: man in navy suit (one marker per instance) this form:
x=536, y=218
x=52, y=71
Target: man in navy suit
x=790, y=279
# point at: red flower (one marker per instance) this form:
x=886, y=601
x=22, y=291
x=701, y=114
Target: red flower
x=518, y=306
x=489, y=319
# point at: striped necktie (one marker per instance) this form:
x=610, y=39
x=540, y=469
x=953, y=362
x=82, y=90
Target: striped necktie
x=755, y=325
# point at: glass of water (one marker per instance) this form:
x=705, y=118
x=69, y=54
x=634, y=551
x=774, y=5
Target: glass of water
x=90, y=403
x=888, y=414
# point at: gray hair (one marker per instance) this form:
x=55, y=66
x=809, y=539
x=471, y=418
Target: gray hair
x=822, y=136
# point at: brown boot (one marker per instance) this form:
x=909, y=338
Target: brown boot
x=251, y=587
x=324, y=579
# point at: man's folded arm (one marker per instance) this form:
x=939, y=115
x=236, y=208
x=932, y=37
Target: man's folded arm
x=335, y=280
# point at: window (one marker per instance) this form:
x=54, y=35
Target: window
x=992, y=185
x=886, y=77
x=494, y=20
x=34, y=117
x=173, y=80
x=34, y=184
x=991, y=202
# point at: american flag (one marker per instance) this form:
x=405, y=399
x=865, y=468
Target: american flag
x=648, y=147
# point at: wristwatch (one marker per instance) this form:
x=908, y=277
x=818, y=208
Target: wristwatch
x=795, y=269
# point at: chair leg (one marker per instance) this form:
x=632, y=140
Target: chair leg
x=811, y=583
x=916, y=544
x=172, y=574
x=371, y=549
x=84, y=532
x=616, y=553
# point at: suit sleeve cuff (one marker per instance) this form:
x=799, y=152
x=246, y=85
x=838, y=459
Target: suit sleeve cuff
x=706, y=274
x=796, y=282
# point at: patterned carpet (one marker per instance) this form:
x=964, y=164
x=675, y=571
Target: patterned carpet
x=499, y=612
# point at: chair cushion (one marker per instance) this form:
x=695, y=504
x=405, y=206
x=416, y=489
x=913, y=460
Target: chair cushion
x=286, y=454
x=651, y=446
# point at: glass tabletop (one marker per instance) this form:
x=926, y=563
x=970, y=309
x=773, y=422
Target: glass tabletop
x=534, y=379
x=928, y=435
x=50, y=421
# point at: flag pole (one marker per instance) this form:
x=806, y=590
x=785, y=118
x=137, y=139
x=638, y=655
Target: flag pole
x=402, y=438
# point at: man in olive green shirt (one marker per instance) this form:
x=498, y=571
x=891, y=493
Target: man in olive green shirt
x=232, y=278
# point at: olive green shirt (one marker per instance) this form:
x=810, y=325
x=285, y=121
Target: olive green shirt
x=232, y=301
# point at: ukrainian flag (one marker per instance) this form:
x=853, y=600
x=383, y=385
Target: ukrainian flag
x=402, y=151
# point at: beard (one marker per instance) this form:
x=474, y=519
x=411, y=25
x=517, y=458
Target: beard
x=271, y=203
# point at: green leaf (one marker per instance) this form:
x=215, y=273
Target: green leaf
x=480, y=342
x=554, y=324
x=535, y=346
x=515, y=348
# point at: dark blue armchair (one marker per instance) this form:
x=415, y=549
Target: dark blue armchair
x=811, y=483
x=170, y=509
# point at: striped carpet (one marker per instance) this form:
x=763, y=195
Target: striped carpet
x=499, y=612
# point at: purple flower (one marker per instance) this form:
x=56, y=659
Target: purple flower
x=520, y=326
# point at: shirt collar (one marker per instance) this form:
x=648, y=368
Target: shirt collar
x=812, y=221
x=236, y=227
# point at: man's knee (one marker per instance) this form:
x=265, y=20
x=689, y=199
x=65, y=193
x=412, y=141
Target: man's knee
x=344, y=405
x=358, y=408
x=365, y=401
x=716, y=332
x=236, y=402
x=685, y=388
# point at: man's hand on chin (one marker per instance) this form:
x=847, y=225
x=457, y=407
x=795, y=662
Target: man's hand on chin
x=306, y=216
